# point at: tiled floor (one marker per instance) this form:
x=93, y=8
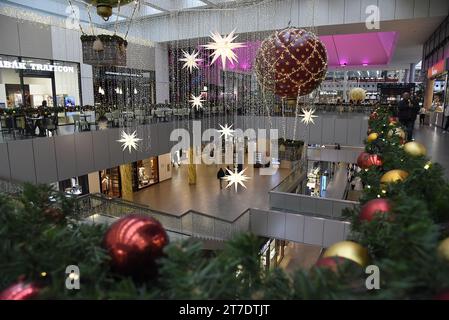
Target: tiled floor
x=176, y=196
x=437, y=144
x=299, y=256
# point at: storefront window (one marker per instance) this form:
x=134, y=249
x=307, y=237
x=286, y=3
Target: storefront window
x=75, y=186
x=10, y=89
x=28, y=82
x=145, y=173
x=123, y=87
x=67, y=85
x=110, y=182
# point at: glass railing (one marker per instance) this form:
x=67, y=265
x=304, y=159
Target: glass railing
x=298, y=173
x=193, y=223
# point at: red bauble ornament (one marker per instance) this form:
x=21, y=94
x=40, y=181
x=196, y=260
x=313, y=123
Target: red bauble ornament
x=291, y=62
x=373, y=116
x=20, y=291
x=331, y=263
x=366, y=160
x=134, y=243
x=373, y=207
x=442, y=296
x=393, y=120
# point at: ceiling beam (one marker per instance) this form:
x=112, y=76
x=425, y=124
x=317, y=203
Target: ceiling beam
x=155, y=6
x=210, y=3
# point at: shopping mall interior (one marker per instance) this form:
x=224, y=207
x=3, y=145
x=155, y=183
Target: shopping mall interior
x=222, y=149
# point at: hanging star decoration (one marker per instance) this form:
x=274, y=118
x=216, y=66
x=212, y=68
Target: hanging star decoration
x=190, y=60
x=226, y=131
x=196, y=102
x=223, y=47
x=307, y=116
x=235, y=178
x=129, y=141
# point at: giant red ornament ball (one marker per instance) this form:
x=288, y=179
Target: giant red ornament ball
x=366, y=160
x=134, y=243
x=373, y=207
x=20, y=291
x=332, y=263
x=442, y=295
x=291, y=62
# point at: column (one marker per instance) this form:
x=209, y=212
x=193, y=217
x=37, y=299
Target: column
x=191, y=169
x=87, y=84
x=345, y=87
x=428, y=93
x=162, y=78
x=405, y=76
x=412, y=73
x=126, y=177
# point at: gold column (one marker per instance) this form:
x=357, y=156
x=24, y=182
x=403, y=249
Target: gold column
x=126, y=177
x=428, y=94
x=191, y=170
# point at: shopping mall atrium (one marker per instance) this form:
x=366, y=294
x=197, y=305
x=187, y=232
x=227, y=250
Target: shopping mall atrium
x=224, y=149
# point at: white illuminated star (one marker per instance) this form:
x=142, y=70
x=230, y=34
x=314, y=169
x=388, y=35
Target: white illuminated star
x=235, y=178
x=197, y=102
x=223, y=47
x=129, y=141
x=226, y=131
x=307, y=116
x=191, y=60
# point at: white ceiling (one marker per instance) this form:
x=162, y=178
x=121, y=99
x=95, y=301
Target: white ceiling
x=147, y=8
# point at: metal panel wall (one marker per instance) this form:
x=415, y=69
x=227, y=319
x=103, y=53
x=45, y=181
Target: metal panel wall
x=115, y=149
x=5, y=172
x=84, y=153
x=35, y=41
x=100, y=150
x=45, y=160
x=66, y=156
x=9, y=36
x=295, y=227
x=21, y=160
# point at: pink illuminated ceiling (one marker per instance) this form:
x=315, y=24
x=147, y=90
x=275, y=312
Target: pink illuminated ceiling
x=360, y=49
x=351, y=50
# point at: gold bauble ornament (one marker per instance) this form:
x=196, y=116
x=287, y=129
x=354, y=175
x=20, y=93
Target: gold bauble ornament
x=393, y=176
x=357, y=94
x=443, y=249
x=372, y=136
x=349, y=250
x=415, y=149
x=397, y=131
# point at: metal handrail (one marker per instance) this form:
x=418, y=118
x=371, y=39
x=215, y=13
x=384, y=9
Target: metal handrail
x=205, y=226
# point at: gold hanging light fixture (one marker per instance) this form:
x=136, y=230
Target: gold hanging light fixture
x=104, y=7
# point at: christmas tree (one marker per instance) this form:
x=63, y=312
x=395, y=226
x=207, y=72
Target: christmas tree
x=399, y=228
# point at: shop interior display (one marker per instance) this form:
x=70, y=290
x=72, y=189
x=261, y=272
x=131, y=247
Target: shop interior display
x=110, y=182
x=146, y=173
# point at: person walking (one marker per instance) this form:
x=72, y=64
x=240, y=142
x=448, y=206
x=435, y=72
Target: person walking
x=422, y=115
x=407, y=112
x=220, y=176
